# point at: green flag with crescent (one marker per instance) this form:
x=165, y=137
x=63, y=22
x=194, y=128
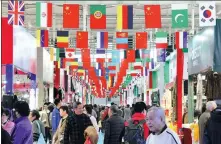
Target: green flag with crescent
x=179, y=15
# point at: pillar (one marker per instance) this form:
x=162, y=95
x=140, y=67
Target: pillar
x=9, y=79
x=190, y=100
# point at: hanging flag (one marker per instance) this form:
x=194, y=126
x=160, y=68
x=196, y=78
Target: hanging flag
x=181, y=41
x=179, y=15
x=43, y=14
x=161, y=40
x=141, y=40
x=82, y=39
x=62, y=39
x=115, y=56
x=53, y=56
x=121, y=40
x=71, y=15
x=16, y=12
x=207, y=14
x=102, y=40
x=124, y=17
x=69, y=53
x=130, y=55
x=161, y=55
x=152, y=16
x=146, y=55
x=98, y=16
x=42, y=38
x=62, y=53
x=152, y=64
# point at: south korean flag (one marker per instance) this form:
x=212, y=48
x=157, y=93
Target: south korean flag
x=207, y=14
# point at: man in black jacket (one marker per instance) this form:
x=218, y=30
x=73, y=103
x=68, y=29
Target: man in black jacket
x=114, y=127
x=76, y=124
x=212, y=133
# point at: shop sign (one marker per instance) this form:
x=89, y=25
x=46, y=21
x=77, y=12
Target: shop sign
x=201, y=48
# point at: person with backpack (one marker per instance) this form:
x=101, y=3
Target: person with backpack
x=136, y=129
x=37, y=128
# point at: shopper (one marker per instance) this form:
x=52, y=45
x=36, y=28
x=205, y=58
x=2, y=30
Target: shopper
x=127, y=113
x=6, y=123
x=133, y=125
x=37, y=126
x=161, y=134
x=59, y=135
x=22, y=133
x=91, y=136
x=76, y=125
x=210, y=106
x=96, y=109
x=45, y=120
x=114, y=127
x=56, y=115
x=88, y=111
x=50, y=108
x=5, y=137
x=212, y=133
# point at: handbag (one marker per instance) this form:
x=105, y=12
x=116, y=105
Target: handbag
x=41, y=137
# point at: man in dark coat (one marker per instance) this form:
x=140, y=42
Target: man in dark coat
x=210, y=106
x=76, y=124
x=212, y=133
x=114, y=127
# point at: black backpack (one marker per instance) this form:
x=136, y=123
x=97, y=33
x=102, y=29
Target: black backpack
x=134, y=132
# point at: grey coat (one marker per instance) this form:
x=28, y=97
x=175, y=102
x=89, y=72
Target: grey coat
x=202, y=123
x=36, y=132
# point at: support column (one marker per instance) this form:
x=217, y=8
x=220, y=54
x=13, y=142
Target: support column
x=190, y=100
x=9, y=79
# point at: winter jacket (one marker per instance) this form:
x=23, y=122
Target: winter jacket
x=22, y=133
x=55, y=119
x=140, y=116
x=202, y=123
x=114, y=130
x=212, y=133
x=35, y=129
x=8, y=126
x=74, y=132
x=5, y=137
x=59, y=135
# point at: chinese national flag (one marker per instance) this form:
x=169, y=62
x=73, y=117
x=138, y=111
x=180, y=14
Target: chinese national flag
x=131, y=55
x=85, y=54
x=152, y=16
x=71, y=16
x=82, y=39
x=141, y=40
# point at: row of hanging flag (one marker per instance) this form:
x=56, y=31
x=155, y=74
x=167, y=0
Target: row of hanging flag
x=125, y=13
x=122, y=41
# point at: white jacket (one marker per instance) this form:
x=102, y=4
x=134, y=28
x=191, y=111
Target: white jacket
x=166, y=137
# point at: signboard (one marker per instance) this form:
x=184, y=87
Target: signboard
x=201, y=49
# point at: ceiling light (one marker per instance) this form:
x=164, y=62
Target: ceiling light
x=17, y=82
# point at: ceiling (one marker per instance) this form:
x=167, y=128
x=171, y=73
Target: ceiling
x=111, y=17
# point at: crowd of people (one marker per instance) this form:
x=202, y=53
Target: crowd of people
x=57, y=123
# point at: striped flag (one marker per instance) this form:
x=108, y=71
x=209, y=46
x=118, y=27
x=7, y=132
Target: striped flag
x=181, y=41
x=43, y=14
x=122, y=40
x=102, y=40
x=42, y=38
x=161, y=40
x=62, y=39
x=124, y=17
